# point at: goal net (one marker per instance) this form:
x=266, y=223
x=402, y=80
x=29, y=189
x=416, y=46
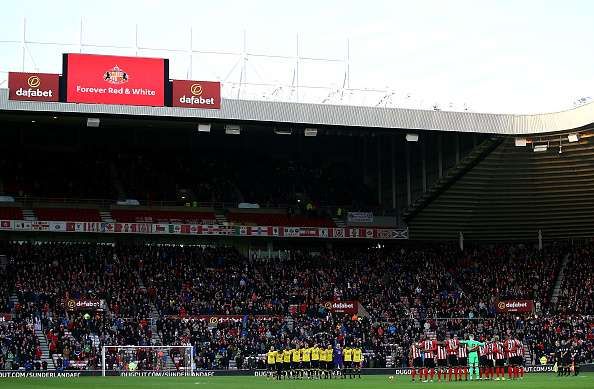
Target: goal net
x=149, y=360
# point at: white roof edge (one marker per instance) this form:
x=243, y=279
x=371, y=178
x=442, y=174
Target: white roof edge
x=337, y=115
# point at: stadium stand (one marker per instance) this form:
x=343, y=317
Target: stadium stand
x=512, y=193
x=233, y=305
x=577, y=290
x=403, y=291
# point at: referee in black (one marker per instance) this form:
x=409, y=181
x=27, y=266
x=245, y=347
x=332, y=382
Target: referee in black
x=575, y=360
x=563, y=359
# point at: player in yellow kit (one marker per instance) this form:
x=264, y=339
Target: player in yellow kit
x=296, y=370
x=315, y=361
x=323, y=362
x=287, y=362
x=329, y=361
x=357, y=360
x=279, y=364
x=271, y=360
x=347, y=354
x=306, y=359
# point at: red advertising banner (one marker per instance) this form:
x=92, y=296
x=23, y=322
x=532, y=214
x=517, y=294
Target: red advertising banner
x=33, y=86
x=85, y=305
x=196, y=94
x=108, y=79
x=5, y=317
x=350, y=307
x=505, y=306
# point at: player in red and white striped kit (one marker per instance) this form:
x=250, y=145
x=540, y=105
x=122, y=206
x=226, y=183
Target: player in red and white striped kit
x=484, y=362
x=519, y=359
x=416, y=363
x=452, y=346
x=442, y=361
x=490, y=369
x=511, y=349
x=429, y=348
x=462, y=362
x=498, y=352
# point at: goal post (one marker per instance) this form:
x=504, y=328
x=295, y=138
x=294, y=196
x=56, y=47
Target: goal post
x=164, y=359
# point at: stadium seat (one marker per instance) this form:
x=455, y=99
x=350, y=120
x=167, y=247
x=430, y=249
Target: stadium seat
x=11, y=213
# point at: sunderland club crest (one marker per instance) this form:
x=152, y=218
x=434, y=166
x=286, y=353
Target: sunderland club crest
x=115, y=76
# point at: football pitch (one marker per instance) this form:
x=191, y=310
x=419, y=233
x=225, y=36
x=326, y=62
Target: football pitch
x=540, y=381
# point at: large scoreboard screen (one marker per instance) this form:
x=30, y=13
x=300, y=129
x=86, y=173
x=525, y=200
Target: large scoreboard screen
x=108, y=79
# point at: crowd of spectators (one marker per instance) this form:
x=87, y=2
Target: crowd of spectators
x=500, y=272
x=577, y=291
x=19, y=347
x=170, y=293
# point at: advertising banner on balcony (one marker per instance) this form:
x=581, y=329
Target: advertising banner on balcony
x=33, y=86
x=350, y=307
x=202, y=229
x=507, y=306
x=196, y=94
x=85, y=305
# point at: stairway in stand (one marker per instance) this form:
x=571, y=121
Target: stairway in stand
x=14, y=300
x=45, y=353
x=153, y=317
x=221, y=219
x=559, y=281
x=106, y=217
x=339, y=222
x=29, y=215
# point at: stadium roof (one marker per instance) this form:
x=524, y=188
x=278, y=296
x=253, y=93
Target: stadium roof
x=336, y=115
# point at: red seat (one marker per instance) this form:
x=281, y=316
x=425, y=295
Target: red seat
x=11, y=213
x=163, y=216
x=278, y=219
x=68, y=214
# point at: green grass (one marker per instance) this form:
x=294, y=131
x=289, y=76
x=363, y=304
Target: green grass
x=532, y=381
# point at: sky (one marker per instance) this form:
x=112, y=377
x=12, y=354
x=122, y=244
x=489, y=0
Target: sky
x=499, y=56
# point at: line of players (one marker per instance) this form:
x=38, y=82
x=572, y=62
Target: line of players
x=567, y=360
x=449, y=359
x=301, y=361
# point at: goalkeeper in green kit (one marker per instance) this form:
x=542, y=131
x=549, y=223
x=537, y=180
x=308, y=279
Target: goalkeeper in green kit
x=473, y=359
